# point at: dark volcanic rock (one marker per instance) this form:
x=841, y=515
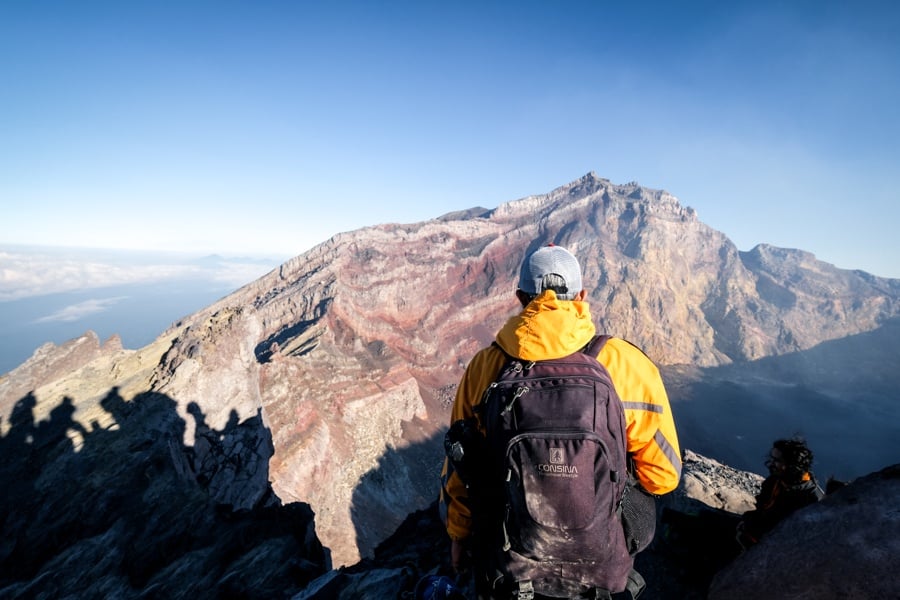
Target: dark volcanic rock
x=127, y=513
x=846, y=546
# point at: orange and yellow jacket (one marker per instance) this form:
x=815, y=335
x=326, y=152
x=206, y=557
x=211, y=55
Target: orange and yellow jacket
x=550, y=328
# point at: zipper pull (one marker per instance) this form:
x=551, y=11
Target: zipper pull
x=486, y=395
x=520, y=391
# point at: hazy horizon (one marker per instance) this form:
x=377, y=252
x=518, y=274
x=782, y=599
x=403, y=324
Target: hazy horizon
x=57, y=294
x=243, y=127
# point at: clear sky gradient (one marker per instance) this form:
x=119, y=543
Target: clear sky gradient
x=265, y=127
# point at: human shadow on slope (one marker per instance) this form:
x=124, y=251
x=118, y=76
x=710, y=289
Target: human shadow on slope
x=398, y=530
x=126, y=509
x=404, y=480
x=840, y=395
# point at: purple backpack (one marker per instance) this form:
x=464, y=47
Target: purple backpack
x=556, y=444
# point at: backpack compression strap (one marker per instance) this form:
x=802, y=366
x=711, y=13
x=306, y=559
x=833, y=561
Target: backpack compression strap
x=523, y=590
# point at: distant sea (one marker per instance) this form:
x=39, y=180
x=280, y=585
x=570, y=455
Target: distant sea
x=139, y=313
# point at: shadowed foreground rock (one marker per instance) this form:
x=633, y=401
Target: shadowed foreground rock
x=126, y=511
x=846, y=546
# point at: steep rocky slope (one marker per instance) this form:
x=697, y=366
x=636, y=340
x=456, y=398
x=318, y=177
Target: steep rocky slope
x=349, y=353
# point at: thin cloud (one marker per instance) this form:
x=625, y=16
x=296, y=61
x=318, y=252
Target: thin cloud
x=237, y=274
x=26, y=272
x=78, y=311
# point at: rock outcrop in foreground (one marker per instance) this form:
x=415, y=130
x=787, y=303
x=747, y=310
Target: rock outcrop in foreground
x=125, y=510
x=846, y=546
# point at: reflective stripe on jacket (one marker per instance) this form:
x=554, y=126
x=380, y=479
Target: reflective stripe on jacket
x=550, y=328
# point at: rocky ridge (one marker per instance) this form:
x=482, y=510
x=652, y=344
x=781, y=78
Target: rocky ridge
x=348, y=354
x=123, y=509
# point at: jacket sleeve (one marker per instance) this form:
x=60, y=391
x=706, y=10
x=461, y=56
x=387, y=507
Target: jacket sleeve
x=454, y=506
x=652, y=439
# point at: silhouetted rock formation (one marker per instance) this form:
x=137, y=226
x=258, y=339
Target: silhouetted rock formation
x=125, y=511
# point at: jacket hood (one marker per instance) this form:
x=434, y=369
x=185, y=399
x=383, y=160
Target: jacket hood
x=547, y=328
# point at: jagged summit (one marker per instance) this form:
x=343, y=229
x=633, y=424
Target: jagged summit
x=591, y=188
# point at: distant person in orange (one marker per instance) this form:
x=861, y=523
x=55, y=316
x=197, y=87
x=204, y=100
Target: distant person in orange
x=790, y=486
x=707, y=540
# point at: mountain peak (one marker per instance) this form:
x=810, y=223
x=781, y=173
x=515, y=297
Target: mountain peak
x=349, y=354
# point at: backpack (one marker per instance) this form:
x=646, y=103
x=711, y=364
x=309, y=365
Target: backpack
x=556, y=469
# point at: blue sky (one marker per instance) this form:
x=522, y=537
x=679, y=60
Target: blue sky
x=263, y=128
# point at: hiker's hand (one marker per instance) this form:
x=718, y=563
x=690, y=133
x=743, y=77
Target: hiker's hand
x=456, y=554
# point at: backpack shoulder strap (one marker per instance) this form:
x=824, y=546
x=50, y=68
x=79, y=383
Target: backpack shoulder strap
x=593, y=347
x=596, y=344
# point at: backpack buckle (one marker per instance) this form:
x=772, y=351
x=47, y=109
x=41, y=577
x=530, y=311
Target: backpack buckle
x=524, y=590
